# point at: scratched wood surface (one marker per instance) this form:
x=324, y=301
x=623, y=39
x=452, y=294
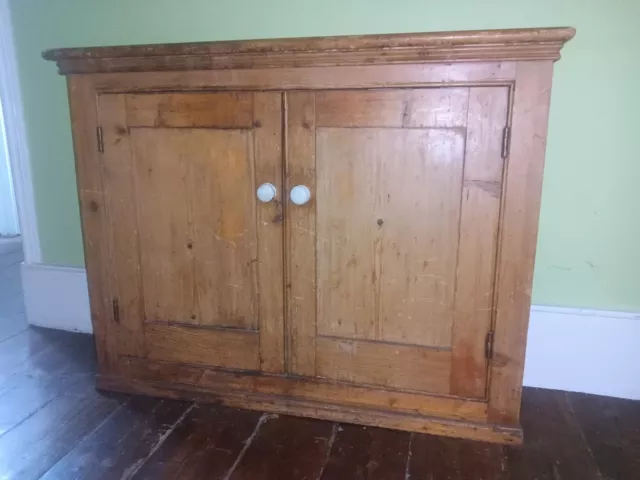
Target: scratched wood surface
x=56, y=426
x=179, y=179
x=408, y=196
x=449, y=47
x=411, y=251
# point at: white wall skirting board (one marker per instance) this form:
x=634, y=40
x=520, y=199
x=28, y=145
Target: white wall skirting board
x=590, y=351
x=56, y=297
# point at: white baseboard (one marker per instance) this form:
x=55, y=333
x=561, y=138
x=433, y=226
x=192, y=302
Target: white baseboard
x=580, y=350
x=56, y=297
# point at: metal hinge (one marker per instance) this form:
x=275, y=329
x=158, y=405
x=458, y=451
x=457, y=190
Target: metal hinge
x=116, y=310
x=100, y=139
x=506, y=141
x=488, y=346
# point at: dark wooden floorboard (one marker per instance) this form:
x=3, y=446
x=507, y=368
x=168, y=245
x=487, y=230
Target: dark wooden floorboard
x=11, y=325
x=364, y=453
x=612, y=430
x=30, y=394
x=554, y=447
x=204, y=446
x=286, y=447
x=435, y=458
x=44, y=352
x=33, y=447
x=54, y=425
x=20, y=350
x=123, y=442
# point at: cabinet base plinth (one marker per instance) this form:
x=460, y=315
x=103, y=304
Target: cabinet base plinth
x=323, y=411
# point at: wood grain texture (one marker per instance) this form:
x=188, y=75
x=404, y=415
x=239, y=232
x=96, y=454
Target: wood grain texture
x=212, y=110
x=165, y=259
x=477, y=245
x=221, y=203
x=41, y=440
x=422, y=174
x=130, y=435
x=267, y=116
x=361, y=453
x=487, y=45
x=23, y=398
x=314, y=390
x=568, y=435
x=95, y=227
x=408, y=108
x=453, y=459
x=348, y=242
x=611, y=429
x=383, y=273
x=518, y=234
x=204, y=445
x=120, y=194
x=317, y=78
x=285, y=447
x=197, y=226
x=393, y=256
x=300, y=225
x=224, y=348
x=551, y=426
x=321, y=410
x=384, y=364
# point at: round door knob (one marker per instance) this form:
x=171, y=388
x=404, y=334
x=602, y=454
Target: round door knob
x=266, y=192
x=300, y=195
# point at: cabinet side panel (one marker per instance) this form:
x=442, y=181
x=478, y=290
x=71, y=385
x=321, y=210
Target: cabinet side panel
x=82, y=100
x=519, y=228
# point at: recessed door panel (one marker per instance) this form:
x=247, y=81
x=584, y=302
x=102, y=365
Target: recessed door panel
x=183, y=170
x=389, y=210
x=196, y=213
x=406, y=188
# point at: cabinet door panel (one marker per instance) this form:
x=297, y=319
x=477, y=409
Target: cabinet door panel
x=166, y=264
x=192, y=179
x=175, y=110
x=384, y=364
x=402, y=228
x=390, y=202
x=182, y=172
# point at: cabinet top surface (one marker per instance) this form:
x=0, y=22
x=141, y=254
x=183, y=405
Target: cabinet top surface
x=443, y=47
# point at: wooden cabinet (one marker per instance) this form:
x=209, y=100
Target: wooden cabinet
x=395, y=294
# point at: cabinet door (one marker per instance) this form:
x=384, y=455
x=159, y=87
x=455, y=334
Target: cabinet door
x=391, y=263
x=196, y=260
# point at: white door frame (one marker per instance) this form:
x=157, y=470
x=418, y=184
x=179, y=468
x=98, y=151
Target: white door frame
x=8, y=210
x=16, y=138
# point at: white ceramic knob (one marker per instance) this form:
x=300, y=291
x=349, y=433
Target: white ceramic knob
x=266, y=192
x=300, y=195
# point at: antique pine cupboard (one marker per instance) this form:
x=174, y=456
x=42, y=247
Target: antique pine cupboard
x=342, y=228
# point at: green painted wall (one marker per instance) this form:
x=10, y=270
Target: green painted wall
x=588, y=249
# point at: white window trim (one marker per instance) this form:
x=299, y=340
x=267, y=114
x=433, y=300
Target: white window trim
x=17, y=139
